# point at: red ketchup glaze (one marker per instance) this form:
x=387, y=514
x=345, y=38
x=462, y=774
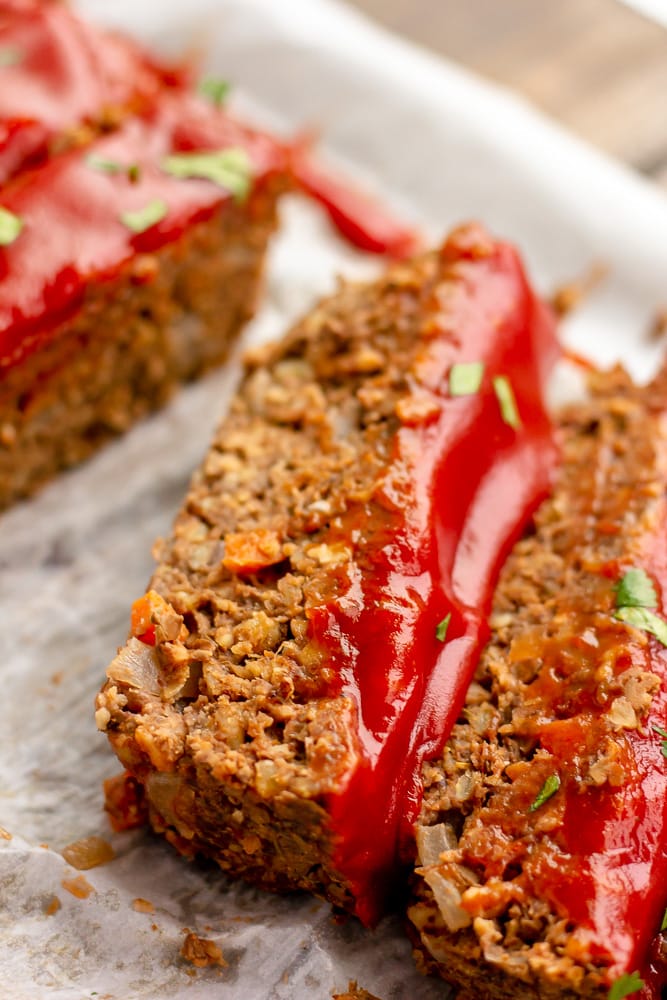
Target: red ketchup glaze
x=57, y=72
x=72, y=232
x=456, y=495
x=361, y=221
x=618, y=837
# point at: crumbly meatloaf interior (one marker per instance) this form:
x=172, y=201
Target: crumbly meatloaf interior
x=490, y=936
x=166, y=318
x=229, y=721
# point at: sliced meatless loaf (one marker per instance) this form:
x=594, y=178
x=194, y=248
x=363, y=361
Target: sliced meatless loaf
x=134, y=219
x=542, y=839
x=325, y=586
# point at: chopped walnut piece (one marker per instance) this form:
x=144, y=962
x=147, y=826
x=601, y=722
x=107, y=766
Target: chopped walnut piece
x=201, y=952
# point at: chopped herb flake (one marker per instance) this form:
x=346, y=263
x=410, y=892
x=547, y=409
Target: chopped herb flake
x=549, y=788
x=10, y=55
x=215, y=89
x=465, y=378
x=506, y=399
x=663, y=733
x=636, y=590
x=441, y=630
x=644, y=619
x=230, y=168
x=663, y=925
x=10, y=227
x=625, y=985
x=145, y=217
x=106, y=166
x=103, y=165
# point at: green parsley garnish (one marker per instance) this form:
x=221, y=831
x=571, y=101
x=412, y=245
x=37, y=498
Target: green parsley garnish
x=146, y=217
x=230, y=168
x=10, y=227
x=626, y=984
x=441, y=630
x=549, y=788
x=663, y=925
x=104, y=165
x=215, y=89
x=10, y=56
x=663, y=733
x=505, y=395
x=644, y=619
x=465, y=378
x=636, y=590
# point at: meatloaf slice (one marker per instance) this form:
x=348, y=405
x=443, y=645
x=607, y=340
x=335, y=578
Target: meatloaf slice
x=542, y=839
x=136, y=263
x=324, y=591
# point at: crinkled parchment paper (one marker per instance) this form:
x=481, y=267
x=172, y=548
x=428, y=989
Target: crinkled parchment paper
x=443, y=147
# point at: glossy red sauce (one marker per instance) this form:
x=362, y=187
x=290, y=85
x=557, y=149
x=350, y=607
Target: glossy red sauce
x=73, y=235
x=619, y=836
x=56, y=73
x=365, y=223
x=603, y=864
x=456, y=494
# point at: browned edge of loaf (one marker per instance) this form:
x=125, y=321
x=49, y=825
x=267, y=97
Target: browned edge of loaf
x=232, y=725
x=165, y=319
x=506, y=943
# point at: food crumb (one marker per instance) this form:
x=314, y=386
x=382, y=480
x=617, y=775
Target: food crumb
x=658, y=327
x=52, y=906
x=5, y=834
x=142, y=905
x=354, y=992
x=79, y=886
x=57, y=678
x=89, y=852
x=201, y=951
x=124, y=802
x=570, y=295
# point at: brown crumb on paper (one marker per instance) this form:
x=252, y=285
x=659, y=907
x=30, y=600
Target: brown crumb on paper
x=124, y=802
x=89, y=852
x=570, y=295
x=52, y=906
x=201, y=952
x=79, y=886
x=5, y=834
x=142, y=905
x=658, y=327
x=354, y=992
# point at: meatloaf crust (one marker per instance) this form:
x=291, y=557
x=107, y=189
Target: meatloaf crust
x=224, y=705
x=490, y=834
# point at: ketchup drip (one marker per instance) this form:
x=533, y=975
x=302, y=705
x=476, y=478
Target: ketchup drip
x=456, y=494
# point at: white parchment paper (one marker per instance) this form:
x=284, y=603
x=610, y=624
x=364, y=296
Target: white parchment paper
x=440, y=145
